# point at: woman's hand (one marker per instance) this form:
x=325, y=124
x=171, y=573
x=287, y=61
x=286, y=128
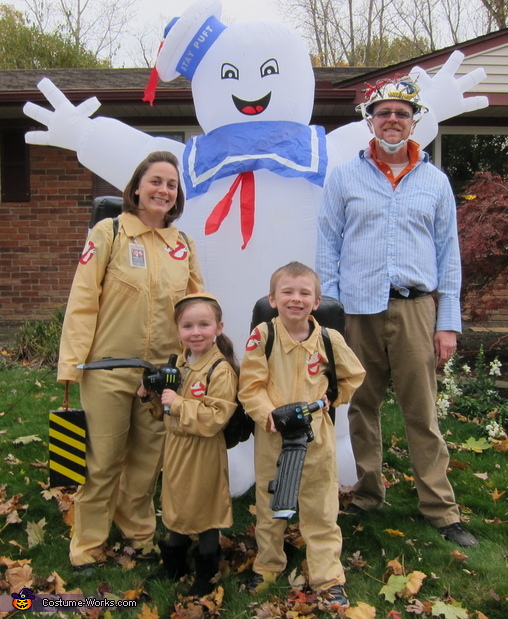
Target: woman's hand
x=144, y=395
x=142, y=392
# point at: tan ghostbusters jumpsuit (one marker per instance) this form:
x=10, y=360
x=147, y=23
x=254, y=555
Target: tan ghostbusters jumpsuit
x=195, y=484
x=295, y=372
x=121, y=305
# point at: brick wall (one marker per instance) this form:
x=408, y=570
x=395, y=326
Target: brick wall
x=41, y=240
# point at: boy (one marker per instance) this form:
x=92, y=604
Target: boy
x=295, y=371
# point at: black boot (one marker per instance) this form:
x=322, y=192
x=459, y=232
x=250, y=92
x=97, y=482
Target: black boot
x=207, y=567
x=174, y=561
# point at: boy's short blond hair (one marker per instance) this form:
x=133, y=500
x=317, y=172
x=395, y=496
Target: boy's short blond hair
x=295, y=269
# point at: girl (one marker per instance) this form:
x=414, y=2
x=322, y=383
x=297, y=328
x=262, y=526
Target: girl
x=124, y=291
x=195, y=488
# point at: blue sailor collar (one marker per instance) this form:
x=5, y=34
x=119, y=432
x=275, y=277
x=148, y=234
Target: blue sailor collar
x=286, y=148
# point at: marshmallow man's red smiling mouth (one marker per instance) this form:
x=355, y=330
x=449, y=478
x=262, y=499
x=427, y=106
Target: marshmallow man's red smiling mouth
x=251, y=108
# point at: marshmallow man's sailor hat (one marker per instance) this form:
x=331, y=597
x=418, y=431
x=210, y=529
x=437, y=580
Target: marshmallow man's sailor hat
x=186, y=41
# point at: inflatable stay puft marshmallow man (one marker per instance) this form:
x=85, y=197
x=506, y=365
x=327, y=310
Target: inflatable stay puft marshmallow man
x=253, y=180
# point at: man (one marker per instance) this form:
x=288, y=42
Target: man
x=387, y=239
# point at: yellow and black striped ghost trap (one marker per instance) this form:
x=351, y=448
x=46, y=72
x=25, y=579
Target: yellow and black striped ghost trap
x=67, y=447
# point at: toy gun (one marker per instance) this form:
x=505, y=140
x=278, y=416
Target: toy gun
x=154, y=379
x=293, y=422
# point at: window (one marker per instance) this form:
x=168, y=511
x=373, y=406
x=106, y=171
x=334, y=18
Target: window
x=15, y=167
x=463, y=151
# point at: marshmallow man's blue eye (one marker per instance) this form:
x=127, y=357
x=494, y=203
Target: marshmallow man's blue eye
x=269, y=67
x=229, y=72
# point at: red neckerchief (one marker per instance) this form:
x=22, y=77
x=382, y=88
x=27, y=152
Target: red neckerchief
x=247, y=205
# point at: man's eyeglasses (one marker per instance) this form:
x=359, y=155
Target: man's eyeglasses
x=400, y=114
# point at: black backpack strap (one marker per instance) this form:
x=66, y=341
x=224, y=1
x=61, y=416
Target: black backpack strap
x=269, y=339
x=328, y=346
x=210, y=371
x=186, y=239
x=116, y=223
x=240, y=426
x=332, y=391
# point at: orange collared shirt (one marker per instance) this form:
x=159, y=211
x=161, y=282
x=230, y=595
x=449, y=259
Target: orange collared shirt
x=413, y=149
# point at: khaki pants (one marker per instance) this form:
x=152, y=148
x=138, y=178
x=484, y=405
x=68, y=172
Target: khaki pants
x=398, y=343
x=318, y=506
x=124, y=457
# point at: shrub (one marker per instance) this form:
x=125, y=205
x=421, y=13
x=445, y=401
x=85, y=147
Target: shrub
x=37, y=342
x=483, y=229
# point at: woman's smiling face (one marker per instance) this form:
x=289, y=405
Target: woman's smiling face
x=157, y=192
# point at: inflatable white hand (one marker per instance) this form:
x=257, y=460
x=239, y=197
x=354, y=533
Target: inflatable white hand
x=443, y=93
x=66, y=124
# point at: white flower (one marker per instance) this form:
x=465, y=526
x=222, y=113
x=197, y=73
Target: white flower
x=451, y=386
x=495, y=367
x=494, y=430
x=466, y=369
x=442, y=405
x=448, y=367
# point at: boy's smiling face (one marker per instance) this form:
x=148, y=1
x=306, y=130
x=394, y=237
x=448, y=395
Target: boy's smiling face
x=295, y=298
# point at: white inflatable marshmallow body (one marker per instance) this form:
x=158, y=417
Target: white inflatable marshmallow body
x=253, y=90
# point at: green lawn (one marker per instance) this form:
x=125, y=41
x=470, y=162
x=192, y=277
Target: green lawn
x=474, y=579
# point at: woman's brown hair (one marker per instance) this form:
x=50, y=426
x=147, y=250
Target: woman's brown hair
x=131, y=200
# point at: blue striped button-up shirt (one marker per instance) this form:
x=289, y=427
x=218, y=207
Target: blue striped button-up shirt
x=372, y=237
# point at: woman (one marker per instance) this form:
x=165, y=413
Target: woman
x=122, y=300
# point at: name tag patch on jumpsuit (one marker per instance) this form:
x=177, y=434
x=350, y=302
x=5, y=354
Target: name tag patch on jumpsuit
x=137, y=255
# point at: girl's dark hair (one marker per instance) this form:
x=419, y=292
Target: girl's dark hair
x=131, y=200
x=224, y=344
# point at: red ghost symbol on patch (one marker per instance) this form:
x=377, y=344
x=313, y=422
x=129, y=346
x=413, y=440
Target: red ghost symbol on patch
x=180, y=251
x=198, y=389
x=88, y=253
x=254, y=340
x=313, y=363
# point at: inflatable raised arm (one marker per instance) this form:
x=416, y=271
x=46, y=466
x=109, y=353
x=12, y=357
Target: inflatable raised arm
x=105, y=146
x=444, y=93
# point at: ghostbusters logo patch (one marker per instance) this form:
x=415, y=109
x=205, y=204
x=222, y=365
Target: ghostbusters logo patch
x=88, y=253
x=254, y=340
x=179, y=253
x=313, y=363
x=198, y=390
